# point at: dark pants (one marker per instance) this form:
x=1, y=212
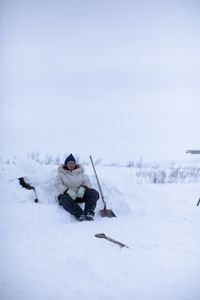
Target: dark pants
x=90, y=199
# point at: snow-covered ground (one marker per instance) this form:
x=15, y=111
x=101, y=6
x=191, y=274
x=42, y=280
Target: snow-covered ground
x=46, y=254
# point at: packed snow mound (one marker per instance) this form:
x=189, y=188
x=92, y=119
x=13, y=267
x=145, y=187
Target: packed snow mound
x=42, y=177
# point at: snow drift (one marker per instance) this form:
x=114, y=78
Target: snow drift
x=47, y=254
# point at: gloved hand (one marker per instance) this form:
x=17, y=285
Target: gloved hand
x=72, y=193
x=81, y=192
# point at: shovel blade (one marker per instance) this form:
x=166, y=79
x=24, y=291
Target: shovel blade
x=107, y=213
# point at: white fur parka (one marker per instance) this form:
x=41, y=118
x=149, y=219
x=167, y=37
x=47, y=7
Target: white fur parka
x=71, y=179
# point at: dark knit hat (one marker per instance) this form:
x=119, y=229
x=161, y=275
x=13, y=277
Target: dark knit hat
x=70, y=158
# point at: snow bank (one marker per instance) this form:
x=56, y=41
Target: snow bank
x=47, y=254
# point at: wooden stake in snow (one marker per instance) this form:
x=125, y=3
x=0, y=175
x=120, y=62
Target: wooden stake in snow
x=103, y=236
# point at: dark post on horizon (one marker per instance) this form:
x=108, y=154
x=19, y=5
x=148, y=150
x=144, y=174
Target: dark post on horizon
x=193, y=151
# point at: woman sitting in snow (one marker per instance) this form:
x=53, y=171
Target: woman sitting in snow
x=74, y=187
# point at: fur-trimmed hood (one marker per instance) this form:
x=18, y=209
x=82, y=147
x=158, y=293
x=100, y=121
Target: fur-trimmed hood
x=71, y=179
x=63, y=170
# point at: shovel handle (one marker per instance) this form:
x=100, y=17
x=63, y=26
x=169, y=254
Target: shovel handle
x=102, y=235
x=100, y=190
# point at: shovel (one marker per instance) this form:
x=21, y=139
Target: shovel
x=103, y=236
x=103, y=212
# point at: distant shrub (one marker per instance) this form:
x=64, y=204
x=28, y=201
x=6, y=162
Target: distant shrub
x=144, y=172
x=169, y=174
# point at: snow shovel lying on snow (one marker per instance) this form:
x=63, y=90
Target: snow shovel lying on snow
x=103, y=236
x=103, y=212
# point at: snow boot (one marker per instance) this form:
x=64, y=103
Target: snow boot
x=89, y=216
x=81, y=218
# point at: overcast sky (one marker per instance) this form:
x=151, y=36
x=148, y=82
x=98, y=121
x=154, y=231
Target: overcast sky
x=115, y=79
